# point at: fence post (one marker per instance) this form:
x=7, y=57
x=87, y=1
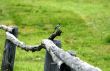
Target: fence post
x=9, y=53
x=49, y=64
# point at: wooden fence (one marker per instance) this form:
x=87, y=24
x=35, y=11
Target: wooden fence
x=56, y=59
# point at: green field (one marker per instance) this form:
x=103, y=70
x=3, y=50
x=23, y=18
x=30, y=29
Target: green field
x=85, y=26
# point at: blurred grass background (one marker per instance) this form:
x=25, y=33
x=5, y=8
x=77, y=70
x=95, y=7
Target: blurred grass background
x=85, y=26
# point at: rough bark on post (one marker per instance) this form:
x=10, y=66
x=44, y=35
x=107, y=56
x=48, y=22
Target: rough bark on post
x=74, y=62
x=50, y=65
x=9, y=52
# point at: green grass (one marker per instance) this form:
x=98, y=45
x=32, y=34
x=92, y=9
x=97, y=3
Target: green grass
x=85, y=26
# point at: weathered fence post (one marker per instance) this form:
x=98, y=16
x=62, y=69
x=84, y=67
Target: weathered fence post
x=51, y=66
x=9, y=53
x=49, y=63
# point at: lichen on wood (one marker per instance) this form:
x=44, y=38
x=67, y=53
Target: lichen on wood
x=72, y=61
x=21, y=44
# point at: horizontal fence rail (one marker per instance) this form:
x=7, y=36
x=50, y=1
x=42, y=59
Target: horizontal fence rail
x=56, y=58
x=21, y=44
x=61, y=56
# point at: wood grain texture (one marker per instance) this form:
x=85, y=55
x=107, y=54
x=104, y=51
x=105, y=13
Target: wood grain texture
x=72, y=61
x=9, y=53
x=52, y=62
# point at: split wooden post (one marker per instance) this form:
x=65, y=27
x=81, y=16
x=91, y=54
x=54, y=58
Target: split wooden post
x=50, y=65
x=9, y=53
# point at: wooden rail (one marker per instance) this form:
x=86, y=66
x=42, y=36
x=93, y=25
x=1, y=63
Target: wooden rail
x=64, y=57
x=56, y=58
